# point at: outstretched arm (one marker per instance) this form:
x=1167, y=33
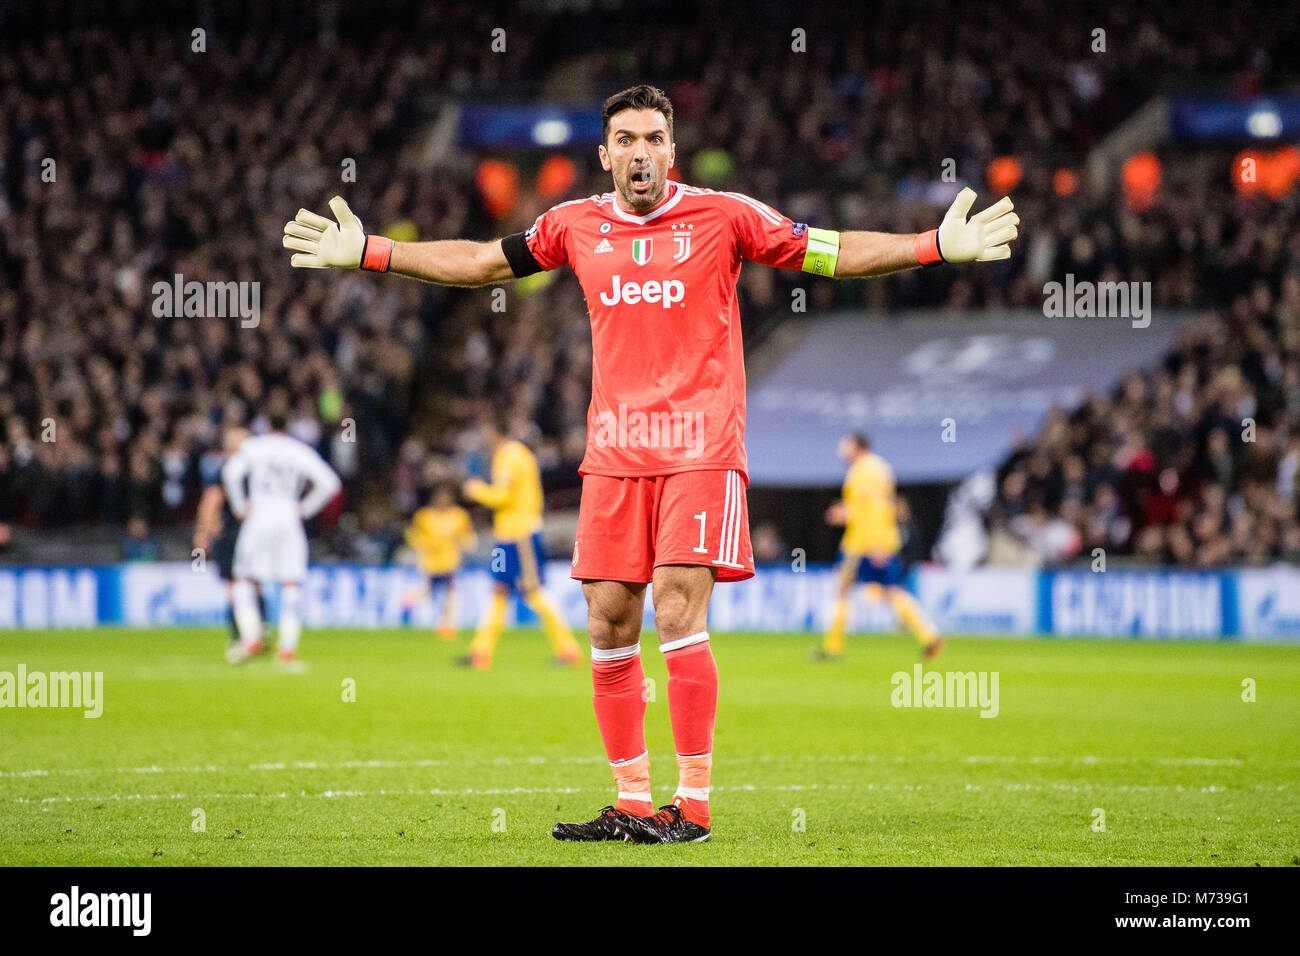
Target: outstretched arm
x=321, y=244
x=983, y=237
x=452, y=262
x=865, y=254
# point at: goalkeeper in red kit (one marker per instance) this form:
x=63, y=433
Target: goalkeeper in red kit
x=664, y=476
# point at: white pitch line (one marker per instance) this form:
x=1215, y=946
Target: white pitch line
x=744, y=788
x=324, y=794
x=433, y=791
x=535, y=760
x=1090, y=760
x=296, y=765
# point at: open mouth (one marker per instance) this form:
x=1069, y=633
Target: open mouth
x=642, y=179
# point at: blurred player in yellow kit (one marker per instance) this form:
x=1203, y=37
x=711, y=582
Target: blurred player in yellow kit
x=869, y=549
x=439, y=533
x=515, y=497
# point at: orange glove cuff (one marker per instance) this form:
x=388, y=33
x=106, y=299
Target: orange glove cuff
x=376, y=253
x=927, y=248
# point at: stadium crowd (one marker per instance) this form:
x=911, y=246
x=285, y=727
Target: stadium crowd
x=1193, y=463
x=171, y=161
x=128, y=158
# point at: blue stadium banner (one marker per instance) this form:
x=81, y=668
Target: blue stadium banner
x=1257, y=604
x=1267, y=604
x=1162, y=604
x=1002, y=601
x=58, y=597
x=529, y=126
x=1258, y=118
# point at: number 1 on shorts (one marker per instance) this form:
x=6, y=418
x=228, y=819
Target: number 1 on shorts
x=700, y=518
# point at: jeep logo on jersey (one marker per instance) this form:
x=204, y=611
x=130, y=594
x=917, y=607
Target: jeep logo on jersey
x=652, y=290
x=642, y=249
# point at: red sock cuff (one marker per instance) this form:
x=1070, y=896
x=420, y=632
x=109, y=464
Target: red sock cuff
x=617, y=677
x=683, y=652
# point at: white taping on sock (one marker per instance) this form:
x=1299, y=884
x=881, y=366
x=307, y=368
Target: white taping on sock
x=694, y=793
x=687, y=641
x=615, y=653
x=624, y=763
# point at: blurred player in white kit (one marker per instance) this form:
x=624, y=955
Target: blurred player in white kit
x=272, y=544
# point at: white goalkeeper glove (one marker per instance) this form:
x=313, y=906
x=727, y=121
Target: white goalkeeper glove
x=982, y=238
x=321, y=244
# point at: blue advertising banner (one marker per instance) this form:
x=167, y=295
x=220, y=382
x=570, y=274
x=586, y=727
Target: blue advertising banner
x=1248, y=604
x=1260, y=117
x=1134, y=604
x=530, y=125
x=1266, y=604
x=58, y=597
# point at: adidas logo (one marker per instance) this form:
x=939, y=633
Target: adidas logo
x=605, y=246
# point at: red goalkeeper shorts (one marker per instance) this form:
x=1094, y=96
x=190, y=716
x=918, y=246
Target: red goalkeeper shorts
x=627, y=527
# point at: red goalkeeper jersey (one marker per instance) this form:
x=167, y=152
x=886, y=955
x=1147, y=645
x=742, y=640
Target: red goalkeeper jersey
x=668, y=369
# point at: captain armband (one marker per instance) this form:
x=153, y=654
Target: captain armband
x=521, y=258
x=823, y=252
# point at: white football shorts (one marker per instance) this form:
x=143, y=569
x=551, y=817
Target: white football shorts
x=271, y=548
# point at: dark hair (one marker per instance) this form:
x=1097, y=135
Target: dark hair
x=860, y=440
x=641, y=97
x=501, y=420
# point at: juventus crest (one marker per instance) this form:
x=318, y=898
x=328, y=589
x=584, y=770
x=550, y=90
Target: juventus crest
x=682, y=241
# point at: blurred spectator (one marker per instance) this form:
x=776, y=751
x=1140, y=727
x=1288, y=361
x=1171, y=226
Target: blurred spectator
x=138, y=544
x=769, y=547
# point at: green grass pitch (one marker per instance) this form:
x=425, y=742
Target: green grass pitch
x=813, y=765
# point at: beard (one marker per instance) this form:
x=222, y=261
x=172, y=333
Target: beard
x=643, y=199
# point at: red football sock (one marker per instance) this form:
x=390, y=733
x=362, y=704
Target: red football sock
x=617, y=679
x=693, y=705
